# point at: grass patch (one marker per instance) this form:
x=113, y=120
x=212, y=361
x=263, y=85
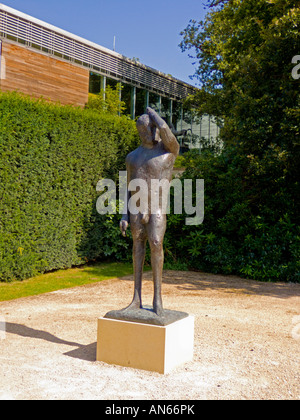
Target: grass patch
x=63, y=279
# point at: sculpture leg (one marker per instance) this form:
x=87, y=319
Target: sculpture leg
x=157, y=263
x=139, y=252
x=156, y=232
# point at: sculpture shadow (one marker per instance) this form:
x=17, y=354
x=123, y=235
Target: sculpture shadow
x=87, y=353
x=83, y=352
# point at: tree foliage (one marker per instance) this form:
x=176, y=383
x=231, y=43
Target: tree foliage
x=243, y=52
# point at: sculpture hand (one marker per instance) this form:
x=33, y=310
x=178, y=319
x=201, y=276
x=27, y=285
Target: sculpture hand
x=155, y=118
x=123, y=227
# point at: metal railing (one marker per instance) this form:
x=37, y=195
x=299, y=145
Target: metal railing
x=30, y=32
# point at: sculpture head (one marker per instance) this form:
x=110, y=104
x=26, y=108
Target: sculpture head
x=148, y=132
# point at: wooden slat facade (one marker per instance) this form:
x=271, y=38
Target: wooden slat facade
x=38, y=74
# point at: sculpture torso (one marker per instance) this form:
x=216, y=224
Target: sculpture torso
x=150, y=164
x=147, y=164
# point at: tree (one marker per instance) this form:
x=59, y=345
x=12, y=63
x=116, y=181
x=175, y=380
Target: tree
x=244, y=50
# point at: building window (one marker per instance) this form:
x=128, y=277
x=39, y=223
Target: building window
x=112, y=83
x=142, y=97
x=95, y=83
x=126, y=97
x=155, y=102
x=165, y=111
x=177, y=115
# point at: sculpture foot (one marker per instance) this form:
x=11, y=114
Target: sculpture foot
x=135, y=304
x=158, y=309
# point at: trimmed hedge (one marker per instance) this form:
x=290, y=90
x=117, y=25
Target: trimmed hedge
x=51, y=158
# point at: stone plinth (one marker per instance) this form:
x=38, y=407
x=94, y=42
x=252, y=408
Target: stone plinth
x=145, y=346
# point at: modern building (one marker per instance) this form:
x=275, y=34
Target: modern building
x=39, y=59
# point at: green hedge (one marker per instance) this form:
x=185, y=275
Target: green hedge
x=51, y=158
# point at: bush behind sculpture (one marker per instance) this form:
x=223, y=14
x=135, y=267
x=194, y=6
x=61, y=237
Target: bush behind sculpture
x=51, y=158
x=249, y=228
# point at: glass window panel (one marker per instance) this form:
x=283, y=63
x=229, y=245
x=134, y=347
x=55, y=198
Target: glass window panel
x=126, y=98
x=176, y=115
x=112, y=83
x=95, y=83
x=140, y=107
x=165, y=109
x=154, y=101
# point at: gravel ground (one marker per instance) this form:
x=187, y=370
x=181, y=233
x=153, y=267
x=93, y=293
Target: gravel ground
x=247, y=338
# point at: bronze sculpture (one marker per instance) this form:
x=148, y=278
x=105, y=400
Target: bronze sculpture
x=153, y=160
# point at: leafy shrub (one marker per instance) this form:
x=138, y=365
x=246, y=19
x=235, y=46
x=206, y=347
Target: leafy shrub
x=250, y=226
x=51, y=158
x=108, y=101
x=180, y=162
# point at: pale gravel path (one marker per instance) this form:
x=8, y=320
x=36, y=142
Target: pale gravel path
x=247, y=342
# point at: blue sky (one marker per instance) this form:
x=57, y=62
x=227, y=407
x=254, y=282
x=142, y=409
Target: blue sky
x=148, y=30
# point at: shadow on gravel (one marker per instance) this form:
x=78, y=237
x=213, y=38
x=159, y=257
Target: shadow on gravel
x=83, y=352
x=87, y=353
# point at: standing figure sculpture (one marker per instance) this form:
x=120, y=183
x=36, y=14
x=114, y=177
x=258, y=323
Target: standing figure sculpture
x=153, y=160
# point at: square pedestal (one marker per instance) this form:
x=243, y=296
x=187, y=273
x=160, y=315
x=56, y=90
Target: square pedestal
x=143, y=346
